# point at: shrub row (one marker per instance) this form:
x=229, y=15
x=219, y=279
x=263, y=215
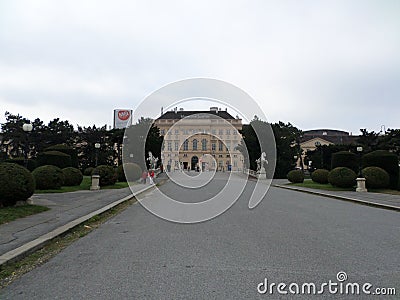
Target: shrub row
x=344, y=177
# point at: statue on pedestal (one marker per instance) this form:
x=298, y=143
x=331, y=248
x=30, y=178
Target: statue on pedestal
x=261, y=166
x=152, y=161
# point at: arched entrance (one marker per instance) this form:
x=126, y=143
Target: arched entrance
x=194, y=162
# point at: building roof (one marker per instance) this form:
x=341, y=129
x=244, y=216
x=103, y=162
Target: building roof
x=180, y=114
x=330, y=135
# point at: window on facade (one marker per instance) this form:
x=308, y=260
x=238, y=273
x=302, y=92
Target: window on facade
x=235, y=132
x=194, y=144
x=228, y=146
x=213, y=146
x=228, y=132
x=169, y=146
x=176, y=131
x=204, y=144
x=162, y=131
x=213, y=131
x=220, y=146
x=186, y=145
x=220, y=132
x=176, y=146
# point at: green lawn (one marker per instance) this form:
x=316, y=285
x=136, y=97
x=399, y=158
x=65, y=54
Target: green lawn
x=308, y=183
x=8, y=214
x=85, y=185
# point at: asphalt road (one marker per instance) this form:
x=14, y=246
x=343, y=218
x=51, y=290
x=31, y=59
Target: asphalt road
x=290, y=237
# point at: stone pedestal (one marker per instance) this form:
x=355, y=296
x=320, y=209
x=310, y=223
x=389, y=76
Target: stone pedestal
x=361, y=185
x=95, y=183
x=262, y=174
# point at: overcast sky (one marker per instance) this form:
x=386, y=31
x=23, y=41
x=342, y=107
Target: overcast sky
x=316, y=64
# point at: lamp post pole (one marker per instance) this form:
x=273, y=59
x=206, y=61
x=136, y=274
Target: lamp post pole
x=359, y=150
x=97, y=146
x=361, y=181
x=27, y=127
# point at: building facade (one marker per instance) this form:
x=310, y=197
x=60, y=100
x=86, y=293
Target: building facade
x=203, y=140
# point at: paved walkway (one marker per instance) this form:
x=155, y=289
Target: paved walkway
x=64, y=208
x=367, y=198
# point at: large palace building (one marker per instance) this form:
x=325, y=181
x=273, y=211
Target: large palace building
x=203, y=140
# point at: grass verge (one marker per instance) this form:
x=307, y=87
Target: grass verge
x=85, y=185
x=8, y=214
x=12, y=271
x=328, y=187
x=313, y=185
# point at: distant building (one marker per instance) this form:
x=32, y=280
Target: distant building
x=311, y=139
x=200, y=139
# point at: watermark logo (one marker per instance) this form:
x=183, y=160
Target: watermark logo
x=340, y=286
x=205, y=141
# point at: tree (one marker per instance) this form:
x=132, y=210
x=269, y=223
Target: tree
x=144, y=132
x=286, y=137
x=287, y=140
x=14, y=138
x=368, y=140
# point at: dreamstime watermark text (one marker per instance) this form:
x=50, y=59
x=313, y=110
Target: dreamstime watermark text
x=340, y=286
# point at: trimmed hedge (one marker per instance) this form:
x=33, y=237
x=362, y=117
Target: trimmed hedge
x=320, y=176
x=398, y=185
x=54, y=158
x=88, y=171
x=48, y=177
x=16, y=184
x=376, y=178
x=132, y=169
x=385, y=160
x=342, y=177
x=295, y=176
x=345, y=159
x=108, y=176
x=21, y=161
x=72, y=176
x=66, y=150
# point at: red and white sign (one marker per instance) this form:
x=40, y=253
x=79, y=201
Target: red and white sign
x=122, y=118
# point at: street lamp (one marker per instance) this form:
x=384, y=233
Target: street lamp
x=27, y=127
x=97, y=146
x=359, y=150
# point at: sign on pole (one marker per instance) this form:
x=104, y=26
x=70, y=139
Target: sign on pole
x=122, y=118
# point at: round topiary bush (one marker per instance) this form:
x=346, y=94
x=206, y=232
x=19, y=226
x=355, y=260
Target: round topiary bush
x=342, y=177
x=108, y=176
x=72, y=176
x=66, y=150
x=131, y=171
x=376, y=178
x=31, y=163
x=48, y=177
x=295, y=176
x=385, y=160
x=88, y=171
x=320, y=176
x=345, y=159
x=54, y=158
x=16, y=184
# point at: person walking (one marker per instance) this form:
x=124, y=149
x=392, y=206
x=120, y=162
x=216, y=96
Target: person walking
x=151, y=176
x=144, y=176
